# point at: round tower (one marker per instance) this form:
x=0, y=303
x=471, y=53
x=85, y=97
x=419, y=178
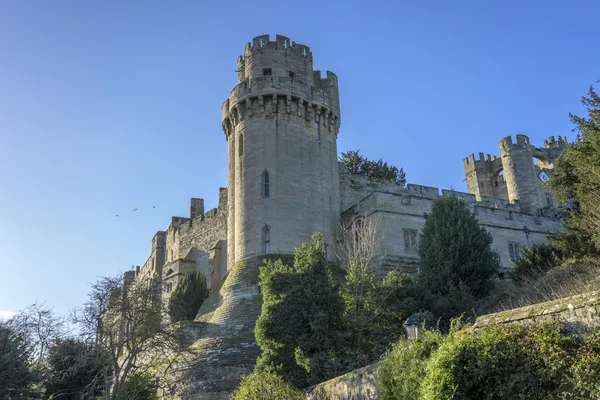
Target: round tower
x=520, y=175
x=281, y=123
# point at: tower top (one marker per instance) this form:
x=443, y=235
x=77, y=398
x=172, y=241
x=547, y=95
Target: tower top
x=279, y=58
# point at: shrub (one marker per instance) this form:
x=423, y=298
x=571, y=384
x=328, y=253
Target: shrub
x=187, y=297
x=540, y=361
x=266, y=386
x=535, y=262
x=402, y=371
x=140, y=386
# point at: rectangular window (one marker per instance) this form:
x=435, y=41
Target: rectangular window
x=410, y=239
x=267, y=72
x=267, y=189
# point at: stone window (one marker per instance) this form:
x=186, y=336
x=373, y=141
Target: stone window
x=266, y=186
x=267, y=72
x=410, y=239
x=267, y=239
x=241, y=146
x=515, y=250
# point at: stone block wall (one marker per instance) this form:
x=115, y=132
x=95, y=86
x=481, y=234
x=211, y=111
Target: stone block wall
x=360, y=384
x=582, y=310
x=401, y=211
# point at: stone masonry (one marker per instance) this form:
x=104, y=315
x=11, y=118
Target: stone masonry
x=284, y=183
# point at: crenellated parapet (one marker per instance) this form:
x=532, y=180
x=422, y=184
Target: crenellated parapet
x=276, y=77
x=281, y=57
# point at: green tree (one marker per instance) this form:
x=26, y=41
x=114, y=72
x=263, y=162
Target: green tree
x=356, y=164
x=299, y=327
x=188, y=296
x=75, y=370
x=458, y=265
x=576, y=182
x=266, y=386
x=16, y=378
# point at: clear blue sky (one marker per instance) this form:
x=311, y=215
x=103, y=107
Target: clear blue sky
x=107, y=106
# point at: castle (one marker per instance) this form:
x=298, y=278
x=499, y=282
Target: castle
x=285, y=182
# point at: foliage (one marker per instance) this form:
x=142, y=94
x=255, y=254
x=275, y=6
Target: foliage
x=74, y=370
x=585, y=370
x=538, y=361
x=458, y=265
x=266, y=386
x=535, y=262
x=16, y=378
x=576, y=178
x=188, y=296
x=125, y=318
x=299, y=327
x=500, y=362
x=356, y=164
x=140, y=386
x=403, y=369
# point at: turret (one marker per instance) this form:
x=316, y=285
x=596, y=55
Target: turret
x=281, y=124
x=521, y=175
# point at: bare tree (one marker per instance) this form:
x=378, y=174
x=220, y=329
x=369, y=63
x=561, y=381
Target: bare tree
x=125, y=318
x=360, y=256
x=41, y=326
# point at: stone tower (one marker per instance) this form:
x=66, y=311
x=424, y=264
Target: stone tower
x=281, y=123
x=514, y=176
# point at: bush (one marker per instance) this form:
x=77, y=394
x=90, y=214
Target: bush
x=402, y=371
x=535, y=262
x=140, y=386
x=540, y=361
x=187, y=297
x=499, y=362
x=266, y=386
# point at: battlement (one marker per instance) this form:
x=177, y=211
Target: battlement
x=264, y=42
x=522, y=141
x=552, y=143
x=485, y=162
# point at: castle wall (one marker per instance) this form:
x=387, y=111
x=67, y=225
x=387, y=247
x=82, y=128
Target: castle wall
x=401, y=212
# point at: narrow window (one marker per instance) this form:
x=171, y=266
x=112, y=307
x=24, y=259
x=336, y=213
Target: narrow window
x=515, y=250
x=267, y=72
x=241, y=146
x=267, y=236
x=410, y=239
x=326, y=251
x=266, y=187
x=291, y=74
x=481, y=184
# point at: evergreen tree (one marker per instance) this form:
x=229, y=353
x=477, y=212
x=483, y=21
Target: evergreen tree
x=188, y=296
x=299, y=328
x=16, y=378
x=576, y=183
x=458, y=265
x=74, y=370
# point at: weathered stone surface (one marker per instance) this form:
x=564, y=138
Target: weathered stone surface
x=576, y=311
x=360, y=384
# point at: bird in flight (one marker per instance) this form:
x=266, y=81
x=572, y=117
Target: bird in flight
x=135, y=209
x=116, y=215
